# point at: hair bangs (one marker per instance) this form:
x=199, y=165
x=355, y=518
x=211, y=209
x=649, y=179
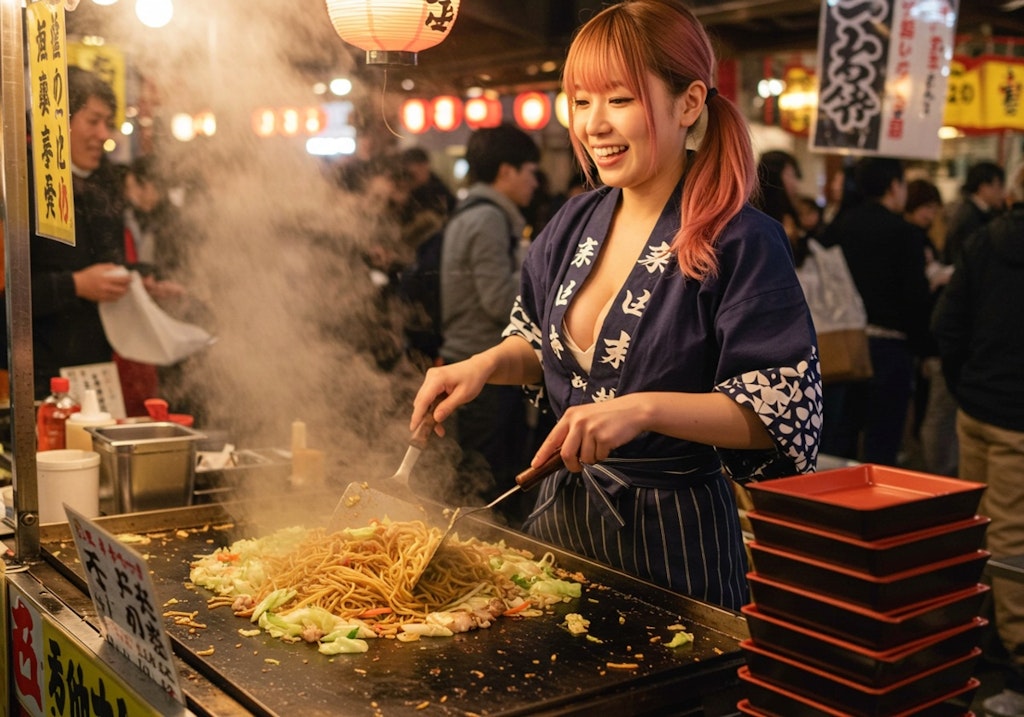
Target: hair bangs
x=609, y=52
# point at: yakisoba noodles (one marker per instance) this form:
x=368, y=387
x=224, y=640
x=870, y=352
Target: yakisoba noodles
x=315, y=585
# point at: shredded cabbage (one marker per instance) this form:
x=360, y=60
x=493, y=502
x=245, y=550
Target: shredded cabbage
x=239, y=571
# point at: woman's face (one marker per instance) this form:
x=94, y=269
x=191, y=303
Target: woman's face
x=612, y=126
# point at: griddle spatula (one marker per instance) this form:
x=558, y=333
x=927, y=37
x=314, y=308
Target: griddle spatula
x=361, y=503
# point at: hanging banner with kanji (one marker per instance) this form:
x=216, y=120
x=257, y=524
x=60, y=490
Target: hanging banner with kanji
x=882, y=69
x=51, y=148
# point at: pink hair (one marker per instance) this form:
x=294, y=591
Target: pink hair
x=636, y=37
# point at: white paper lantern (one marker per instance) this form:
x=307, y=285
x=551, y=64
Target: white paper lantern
x=393, y=31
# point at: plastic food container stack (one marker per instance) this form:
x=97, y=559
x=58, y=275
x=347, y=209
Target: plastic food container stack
x=865, y=595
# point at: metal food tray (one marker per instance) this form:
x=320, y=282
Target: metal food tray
x=517, y=667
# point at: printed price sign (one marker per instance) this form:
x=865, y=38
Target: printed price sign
x=124, y=596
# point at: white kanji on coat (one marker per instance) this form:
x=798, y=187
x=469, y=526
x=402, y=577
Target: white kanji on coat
x=657, y=258
x=604, y=394
x=556, y=342
x=579, y=382
x=617, y=349
x=564, y=292
x=636, y=306
x=584, y=252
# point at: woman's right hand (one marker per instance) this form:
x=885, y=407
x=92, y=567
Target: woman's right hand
x=462, y=382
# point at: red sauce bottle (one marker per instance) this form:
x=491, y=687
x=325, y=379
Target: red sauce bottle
x=53, y=412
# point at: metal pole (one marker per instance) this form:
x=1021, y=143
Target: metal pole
x=18, y=280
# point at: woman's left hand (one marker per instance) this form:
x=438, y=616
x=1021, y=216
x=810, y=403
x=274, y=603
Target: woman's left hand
x=589, y=433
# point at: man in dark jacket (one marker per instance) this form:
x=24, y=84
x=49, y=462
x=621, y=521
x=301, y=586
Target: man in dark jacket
x=68, y=282
x=982, y=198
x=979, y=327
x=886, y=259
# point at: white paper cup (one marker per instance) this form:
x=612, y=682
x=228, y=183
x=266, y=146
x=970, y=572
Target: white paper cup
x=69, y=476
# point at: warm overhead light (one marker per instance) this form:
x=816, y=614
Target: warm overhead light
x=392, y=32
x=341, y=86
x=205, y=123
x=183, y=128
x=154, y=13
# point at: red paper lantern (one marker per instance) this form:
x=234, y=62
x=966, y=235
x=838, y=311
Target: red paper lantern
x=532, y=110
x=264, y=122
x=416, y=116
x=289, y=122
x=315, y=120
x=482, y=112
x=446, y=112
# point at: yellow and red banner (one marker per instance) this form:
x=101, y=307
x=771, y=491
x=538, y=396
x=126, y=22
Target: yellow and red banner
x=986, y=94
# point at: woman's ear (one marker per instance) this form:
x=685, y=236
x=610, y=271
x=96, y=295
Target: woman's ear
x=691, y=103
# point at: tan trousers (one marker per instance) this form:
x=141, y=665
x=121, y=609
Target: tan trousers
x=995, y=457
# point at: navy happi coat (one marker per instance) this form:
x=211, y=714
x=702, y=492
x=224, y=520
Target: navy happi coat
x=659, y=507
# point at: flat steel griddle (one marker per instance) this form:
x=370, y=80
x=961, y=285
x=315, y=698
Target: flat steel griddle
x=517, y=667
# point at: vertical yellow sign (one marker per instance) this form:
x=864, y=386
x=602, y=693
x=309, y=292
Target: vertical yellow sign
x=51, y=150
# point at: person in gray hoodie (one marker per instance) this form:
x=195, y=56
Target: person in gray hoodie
x=479, y=283
x=979, y=328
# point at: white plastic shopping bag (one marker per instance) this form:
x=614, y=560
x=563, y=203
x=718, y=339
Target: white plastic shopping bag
x=140, y=330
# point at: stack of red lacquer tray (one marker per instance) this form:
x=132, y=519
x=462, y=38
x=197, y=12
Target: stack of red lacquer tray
x=865, y=594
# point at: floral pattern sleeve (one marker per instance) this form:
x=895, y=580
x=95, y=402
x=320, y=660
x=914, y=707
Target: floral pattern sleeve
x=788, y=402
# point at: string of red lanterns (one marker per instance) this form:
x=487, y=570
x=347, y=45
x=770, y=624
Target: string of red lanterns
x=445, y=113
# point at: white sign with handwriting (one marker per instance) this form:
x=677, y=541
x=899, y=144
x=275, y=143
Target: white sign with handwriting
x=123, y=593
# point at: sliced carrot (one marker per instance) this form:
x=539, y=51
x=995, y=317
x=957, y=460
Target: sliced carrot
x=376, y=612
x=228, y=557
x=518, y=608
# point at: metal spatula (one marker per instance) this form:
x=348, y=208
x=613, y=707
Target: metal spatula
x=524, y=482
x=361, y=503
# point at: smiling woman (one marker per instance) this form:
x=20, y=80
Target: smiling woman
x=662, y=315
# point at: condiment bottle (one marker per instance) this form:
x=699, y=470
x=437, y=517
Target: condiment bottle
x=53, y=413
x=89, y=417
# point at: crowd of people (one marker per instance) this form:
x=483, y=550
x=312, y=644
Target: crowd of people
x=898, y=240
